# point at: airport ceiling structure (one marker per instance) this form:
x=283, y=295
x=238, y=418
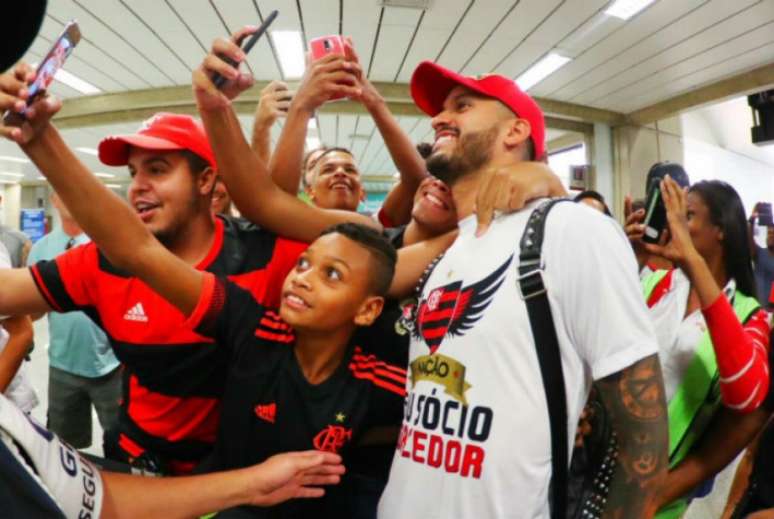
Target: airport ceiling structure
x=586, y=61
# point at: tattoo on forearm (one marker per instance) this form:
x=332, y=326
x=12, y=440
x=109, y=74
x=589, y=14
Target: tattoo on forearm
x=634, y=398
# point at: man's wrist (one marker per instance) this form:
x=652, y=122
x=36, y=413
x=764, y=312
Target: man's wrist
x=262, y=125
x=298, y=110
x=42, y=140
x=374, y=102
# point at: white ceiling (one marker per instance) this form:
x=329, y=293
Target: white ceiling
x=671, y=47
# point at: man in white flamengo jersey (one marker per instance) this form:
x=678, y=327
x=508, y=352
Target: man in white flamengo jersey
x=476, y=439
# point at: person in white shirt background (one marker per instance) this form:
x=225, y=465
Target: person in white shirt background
x=15, y=339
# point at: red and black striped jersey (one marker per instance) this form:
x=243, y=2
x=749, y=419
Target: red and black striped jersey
x=173, y=376
x=269, y=406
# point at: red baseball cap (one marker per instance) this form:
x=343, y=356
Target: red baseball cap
x=431, y=84
x=163, y=132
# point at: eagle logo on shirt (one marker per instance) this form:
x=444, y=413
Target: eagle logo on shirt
x=453, y=309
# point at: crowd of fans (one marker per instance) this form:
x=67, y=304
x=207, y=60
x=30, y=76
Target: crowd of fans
x=435, y=359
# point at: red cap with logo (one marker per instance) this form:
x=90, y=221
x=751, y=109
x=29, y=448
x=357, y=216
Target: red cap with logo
x=431, y=84
x=163, y=132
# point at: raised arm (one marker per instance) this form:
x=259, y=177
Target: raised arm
x=634, y=398
x=397, y=207
x=252, y=189
x=274, y=103
x=323, y=78
x=635, y=230
x=122, y=237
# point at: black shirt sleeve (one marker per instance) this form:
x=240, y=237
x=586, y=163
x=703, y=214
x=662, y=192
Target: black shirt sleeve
x=227, y=313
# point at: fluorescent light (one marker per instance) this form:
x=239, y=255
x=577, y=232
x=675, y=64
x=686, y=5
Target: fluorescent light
x=290, y=48
x=114, y=186
x=312, y=143
x=14, y=159
x=73, y=81
x=541, y=70
x=625, y=9
x=11, y=174
x=88, y=151
x=104, y=175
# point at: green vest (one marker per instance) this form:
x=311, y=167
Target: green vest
x=698, y=395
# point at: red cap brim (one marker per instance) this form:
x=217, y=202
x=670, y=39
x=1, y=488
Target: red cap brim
x=431, y=84
x=114, y=151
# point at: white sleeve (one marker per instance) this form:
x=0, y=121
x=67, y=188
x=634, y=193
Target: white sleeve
x=71, y=481
x=595, y=272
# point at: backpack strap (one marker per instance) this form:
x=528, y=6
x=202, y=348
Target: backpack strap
x=534, y=295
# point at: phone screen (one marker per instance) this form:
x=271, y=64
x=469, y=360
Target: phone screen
x=47, y=69
x=54, y=60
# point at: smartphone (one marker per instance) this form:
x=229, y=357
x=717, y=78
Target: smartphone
x=251, y=41
x=764, y=214
x=655, y=210
x=47, y=69
x=324, y=45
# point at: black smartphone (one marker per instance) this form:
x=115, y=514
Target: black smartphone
x=655, y=210
x=764, y=214
x=47, y=69
x=221, y=80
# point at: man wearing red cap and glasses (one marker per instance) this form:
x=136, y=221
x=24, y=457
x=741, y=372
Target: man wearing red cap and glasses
x=476, y=440
x=173, y=377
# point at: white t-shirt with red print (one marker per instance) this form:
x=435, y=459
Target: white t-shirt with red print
x=475, y=439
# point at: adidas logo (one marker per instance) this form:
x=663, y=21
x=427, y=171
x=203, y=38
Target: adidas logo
x=267, y=412
x=136, y=313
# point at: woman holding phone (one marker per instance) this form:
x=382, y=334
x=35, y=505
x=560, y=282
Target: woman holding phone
x=713, y=334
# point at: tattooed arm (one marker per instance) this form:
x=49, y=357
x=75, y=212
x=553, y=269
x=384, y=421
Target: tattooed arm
x=634, y=398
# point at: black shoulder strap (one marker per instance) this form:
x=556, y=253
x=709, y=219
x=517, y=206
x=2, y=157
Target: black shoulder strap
x=533, y=292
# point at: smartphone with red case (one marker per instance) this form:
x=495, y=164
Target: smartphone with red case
x=324, y=45
x=47, y=69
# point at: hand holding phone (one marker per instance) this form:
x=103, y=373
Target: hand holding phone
x=275, y=102
x=765, y=217
x=327, y=45
x=655, y=211
x=47, y=69
x=220, y=80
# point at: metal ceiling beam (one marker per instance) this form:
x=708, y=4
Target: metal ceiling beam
x=136, y=105
x=756, y=80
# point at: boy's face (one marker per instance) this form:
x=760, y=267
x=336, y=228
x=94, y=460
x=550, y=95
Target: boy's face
x=434, y=206
x=330, y=287
x=337, y=184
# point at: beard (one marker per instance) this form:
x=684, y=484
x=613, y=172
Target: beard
x=473, y=151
